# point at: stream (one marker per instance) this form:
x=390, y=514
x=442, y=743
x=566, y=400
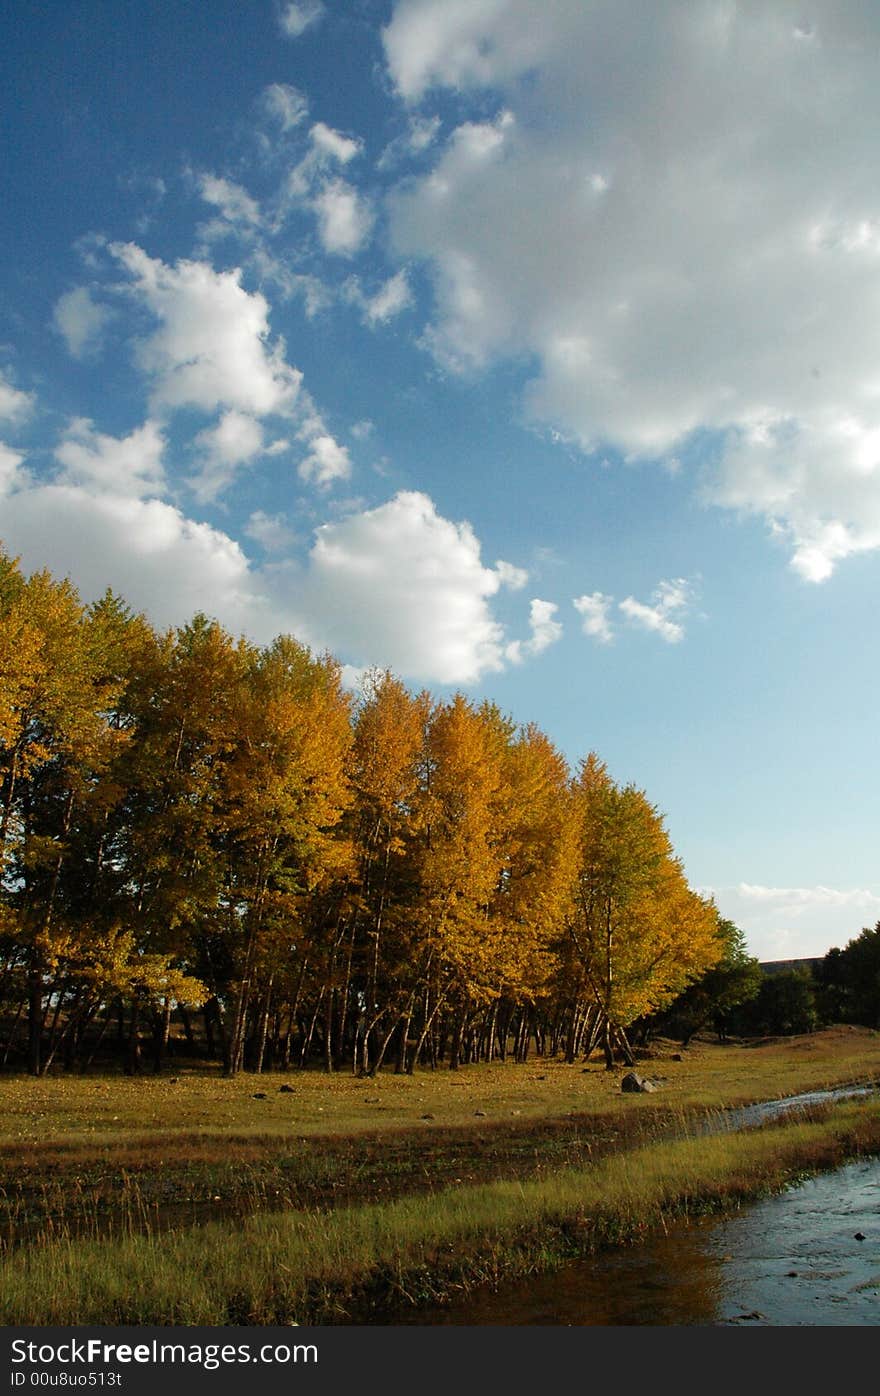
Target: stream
x=809, y=1256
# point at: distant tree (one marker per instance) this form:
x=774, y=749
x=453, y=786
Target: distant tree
x=831, y=987
x=786, y=1003
x=734, y=981
x=861, y=976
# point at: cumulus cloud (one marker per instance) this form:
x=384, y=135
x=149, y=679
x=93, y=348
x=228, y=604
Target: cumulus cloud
x=159, y=560
x=545, y=630
x=511, y=576
x=669, y=603
x=233, y=441
x=15, y=406
x=326, y=461
x=296, y=16
x=80, y=320
x=458, y=43
x=128, y=466
x=211, y=348
x=344, y=218
x=397, y=586
x=402, y=586
x=594, y=607
x=782, y=923
x=677, y=215
x=10, y=467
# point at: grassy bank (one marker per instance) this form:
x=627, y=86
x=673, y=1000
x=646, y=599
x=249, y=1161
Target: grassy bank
x=344, y=1265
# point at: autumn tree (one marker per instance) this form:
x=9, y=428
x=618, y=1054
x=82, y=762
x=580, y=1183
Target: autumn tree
x=284, y=791
x=385, y=769
x=536, y=847
x=58, y=692
x=639, y=932
x=457, y=865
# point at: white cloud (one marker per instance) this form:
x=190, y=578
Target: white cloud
x=147, y=550
x=276, y=273
x=545, y=631
x=284, y=104
x=332, y=144
x=212, y=346
x=396, y=586
x=392, y=297
x=15, y=406
x=125, y=466
x=10, y=467
x=594, y=607
x=363, y=429
x=344, y=219
x=401, y=586
x=784, y=923
x=680, y=223
x=326, y=461
x=271, y=531
x=456, y=43
x=511, y=576
x=233, y=201
x=80, y=320
x=671, y=600
x=296, y=17
x=233, y=441
x=421, y=133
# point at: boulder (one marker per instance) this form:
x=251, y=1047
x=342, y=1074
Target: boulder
x=632, y=1081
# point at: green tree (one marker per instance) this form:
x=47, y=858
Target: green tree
x=859, y=975
x=786, y=1003
x=735, y=980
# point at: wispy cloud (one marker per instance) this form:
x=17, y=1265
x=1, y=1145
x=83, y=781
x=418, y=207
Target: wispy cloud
x=387, y=302
x=669, y=604
x=296, y=16
x=783, y=923
x=15, y=405
x=81, y=321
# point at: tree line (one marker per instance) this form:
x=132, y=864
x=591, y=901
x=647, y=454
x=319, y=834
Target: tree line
x=198, y=830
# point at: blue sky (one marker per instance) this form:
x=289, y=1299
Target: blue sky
x=527, y=350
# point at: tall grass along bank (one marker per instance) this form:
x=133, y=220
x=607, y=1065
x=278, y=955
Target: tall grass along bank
x=345, y=1265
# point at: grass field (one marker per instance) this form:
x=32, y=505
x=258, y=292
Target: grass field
x=167, y=1168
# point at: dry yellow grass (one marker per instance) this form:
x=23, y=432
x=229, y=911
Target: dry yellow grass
x=97, y=1112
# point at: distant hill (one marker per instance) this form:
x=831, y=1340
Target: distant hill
x=780, y=966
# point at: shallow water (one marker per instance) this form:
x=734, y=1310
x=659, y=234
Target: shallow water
x=744, y=1116
x=785, y=1261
